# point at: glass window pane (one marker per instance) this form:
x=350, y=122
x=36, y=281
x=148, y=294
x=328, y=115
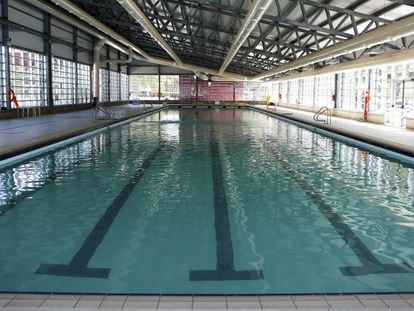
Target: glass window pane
x=104, y=85
x=84, y=84
x=144, y=87
x=170, y=87
x=114, y=76
x=28, y=77
x=3, y=102
x=63, y=81
x=124, y=86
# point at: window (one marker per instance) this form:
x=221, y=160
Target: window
x=144, y=87
x=124, y=86
x=170, y=87
x=274, y=92
x=3, y=102
x=253, y=91
x=63, y=81
x=187, y=87
x=104, y=85
x=28, y=77
x=345, y=90
x=283, y=91
x=324, y=89
x=293, y=92
x=114, y=76
x=308, y=91
x=352, y=88
x=84, y=84
x=378, y=85
x=212, y=91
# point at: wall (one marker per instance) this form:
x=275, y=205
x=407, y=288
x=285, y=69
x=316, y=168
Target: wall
x=32, y=30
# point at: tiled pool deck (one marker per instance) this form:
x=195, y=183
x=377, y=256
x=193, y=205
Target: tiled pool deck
x=19, y=134
x=397, y=139
x=22, y=133
x=316, y=302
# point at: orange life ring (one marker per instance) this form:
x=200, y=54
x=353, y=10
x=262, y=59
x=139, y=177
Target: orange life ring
x=12, y=98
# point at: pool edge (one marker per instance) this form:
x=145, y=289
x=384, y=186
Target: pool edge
x=358, y=141
x=23, y=152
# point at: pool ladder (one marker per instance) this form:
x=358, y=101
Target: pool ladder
x=100, y=112
x=323, y=111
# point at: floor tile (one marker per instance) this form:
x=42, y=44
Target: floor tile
x=368, y=297
x=4, y=301
x=340, y=297
x=373, y=303
x=209, y=305
x=309, y=298
x=59, y=303
x=243, y=298
x=88, y=304
x=176, y=298
x=143, y=297
x=345, y=304
x=175, y=305
x=410, y=301
x=389, y=296
x=64, y=297
x=275, y=298
x=141, y=304
x=92, y=297
x=32, y=296
x=243, y=304
x=396, y=303
x=209, y=298
x=26, y=303
x=115, y=297
x=7, y=295
x=115, y=304
x=311, y=304
x=278, y=304
x=407, y=296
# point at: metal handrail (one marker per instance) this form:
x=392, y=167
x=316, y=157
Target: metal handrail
x=98, y=108
x=323, y=110
x=103, y=110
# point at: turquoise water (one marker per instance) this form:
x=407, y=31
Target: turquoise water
x=207, y=202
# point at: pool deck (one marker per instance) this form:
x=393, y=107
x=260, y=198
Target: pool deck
x=39, y=302
x=21, y=135
x=395, y=139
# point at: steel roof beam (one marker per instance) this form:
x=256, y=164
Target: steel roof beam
x=115, y=37
x=249, y=23
x=133, y=9
x=344, y=15
x=406, y=2
x=384, y=34
x=210, y=41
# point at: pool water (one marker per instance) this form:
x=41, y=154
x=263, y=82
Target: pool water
x=207, y=201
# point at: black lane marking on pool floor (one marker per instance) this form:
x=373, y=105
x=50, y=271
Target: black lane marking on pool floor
x=78, y=266
x=225, y=270
x=370, y=264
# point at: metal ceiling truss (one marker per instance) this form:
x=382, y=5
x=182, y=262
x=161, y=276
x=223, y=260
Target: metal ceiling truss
x=202, y=32
x=139, y=16
x=312, y=34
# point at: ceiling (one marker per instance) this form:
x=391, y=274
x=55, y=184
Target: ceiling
x=202, y=31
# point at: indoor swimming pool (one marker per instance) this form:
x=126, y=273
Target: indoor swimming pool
x=207, y=201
